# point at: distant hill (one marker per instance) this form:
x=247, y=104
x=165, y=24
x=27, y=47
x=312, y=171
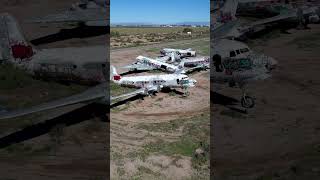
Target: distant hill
x=156, y=25
x=194, y=23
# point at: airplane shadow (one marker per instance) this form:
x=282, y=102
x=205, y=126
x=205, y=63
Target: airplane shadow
x=134, y=98
x=133, y=72
x=76, y=116
x=229, y=102
x=119, y=103
x=168, y=90
x=81, y=31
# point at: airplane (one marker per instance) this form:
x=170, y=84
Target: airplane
x=185, y=65
x=90, y=16
x=81, y=64
x=233, y=62
x=65, y=63
x=268, y=8
x=226, y=16
x=145, y=63
x=98, y=94
x=181, y=52
x=88, y=12
x=195, y=63
x=154, y=83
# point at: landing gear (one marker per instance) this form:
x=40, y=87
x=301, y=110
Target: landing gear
x=246, y=101
x=186, y=93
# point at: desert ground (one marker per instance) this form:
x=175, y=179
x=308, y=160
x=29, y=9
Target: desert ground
x=156, y=138
x=47, y=145
x=136, y=36
x=279, y=137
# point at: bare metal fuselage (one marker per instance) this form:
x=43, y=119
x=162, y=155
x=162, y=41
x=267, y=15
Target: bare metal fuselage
x=81, y=64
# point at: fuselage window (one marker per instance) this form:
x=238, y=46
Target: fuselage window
x=232, y=54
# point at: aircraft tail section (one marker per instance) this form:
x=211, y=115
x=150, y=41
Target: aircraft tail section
x=114, y=76
x=227, y=12
x=231, y=7
x=12, y=42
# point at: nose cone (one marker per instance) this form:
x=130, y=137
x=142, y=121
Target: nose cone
x=272, y=64
x=193, y=82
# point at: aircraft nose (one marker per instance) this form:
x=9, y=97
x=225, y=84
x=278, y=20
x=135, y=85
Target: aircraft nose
x=272, y=64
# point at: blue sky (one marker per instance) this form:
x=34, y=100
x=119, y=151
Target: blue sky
x=159, y=11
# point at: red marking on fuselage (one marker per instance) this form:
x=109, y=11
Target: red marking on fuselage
x=117, y=77
x=21, y=51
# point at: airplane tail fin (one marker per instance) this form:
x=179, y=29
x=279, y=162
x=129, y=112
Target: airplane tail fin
x=173, y=58
x=227, y=12
x=114, y=76
x=231, y=6
x=180, y=71
x=12, y=42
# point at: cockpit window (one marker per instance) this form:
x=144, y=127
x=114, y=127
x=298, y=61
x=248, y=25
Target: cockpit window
x=184, y=81
x=232, y=54
x=244, y=50
x=238, y=51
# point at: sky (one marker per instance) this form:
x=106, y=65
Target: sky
x=159, y=11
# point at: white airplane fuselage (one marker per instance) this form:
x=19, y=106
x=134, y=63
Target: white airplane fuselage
x=165, y=80
x=80, y=64
x=157, y=64
x=182, y=52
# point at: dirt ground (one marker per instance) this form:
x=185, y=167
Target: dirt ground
x=46, y=148
x=279, y=137
x=139, y=124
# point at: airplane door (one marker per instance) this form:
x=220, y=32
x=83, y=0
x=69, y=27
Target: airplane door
x=163, y=67
x=217, y=62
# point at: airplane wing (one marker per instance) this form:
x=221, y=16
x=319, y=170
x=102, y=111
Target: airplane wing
x=198, y=67
x=273, y=19
x=139, y=67
x=93, y=94
x=141, y=91
x=92, y=17
x=163, y=58
x=222, y=30
x=283, y=16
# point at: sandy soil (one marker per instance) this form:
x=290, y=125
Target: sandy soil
x=279, y=138
x=127, y=138
x=83, y=149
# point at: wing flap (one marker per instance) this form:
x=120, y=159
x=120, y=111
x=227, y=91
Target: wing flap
x=134, y=93
x=95, y=93
x=138, y=67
